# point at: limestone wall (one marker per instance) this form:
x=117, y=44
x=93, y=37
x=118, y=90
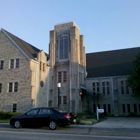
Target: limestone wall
x=118, y=98
x=22, y=75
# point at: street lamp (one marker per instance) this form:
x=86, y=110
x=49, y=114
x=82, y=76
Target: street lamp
x=58, y=86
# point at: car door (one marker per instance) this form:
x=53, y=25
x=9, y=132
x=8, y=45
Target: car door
x=43, y=116
x=30, y=117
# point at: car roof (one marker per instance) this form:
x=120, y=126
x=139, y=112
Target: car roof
x=43, y=107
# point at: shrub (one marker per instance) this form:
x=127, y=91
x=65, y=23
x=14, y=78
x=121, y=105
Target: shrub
x=84, y=117
x=109, y=115
x=8, y=115
x=85, y=122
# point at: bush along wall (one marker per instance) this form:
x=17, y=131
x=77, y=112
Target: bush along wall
x=8, y=115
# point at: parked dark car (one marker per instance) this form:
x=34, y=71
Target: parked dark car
x=73, y=118
x=42, y=117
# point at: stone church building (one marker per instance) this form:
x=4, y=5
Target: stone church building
x=66, y=77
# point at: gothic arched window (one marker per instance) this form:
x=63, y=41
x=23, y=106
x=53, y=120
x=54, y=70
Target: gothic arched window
x=63, y=49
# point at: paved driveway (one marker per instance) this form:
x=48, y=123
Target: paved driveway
x=119, y=122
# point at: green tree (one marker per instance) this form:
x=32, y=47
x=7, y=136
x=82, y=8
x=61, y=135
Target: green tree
x=134, y=78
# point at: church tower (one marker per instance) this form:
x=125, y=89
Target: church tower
x=68, y=67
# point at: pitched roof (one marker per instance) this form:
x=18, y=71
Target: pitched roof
x=111, y=63
x=27, y=48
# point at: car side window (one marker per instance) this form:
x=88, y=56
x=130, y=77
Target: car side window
x=32, y=112
x=45, y=111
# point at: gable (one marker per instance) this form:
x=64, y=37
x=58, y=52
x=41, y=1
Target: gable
x=25, y=47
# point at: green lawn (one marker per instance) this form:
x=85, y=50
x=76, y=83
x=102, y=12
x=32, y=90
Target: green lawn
x=4, y=121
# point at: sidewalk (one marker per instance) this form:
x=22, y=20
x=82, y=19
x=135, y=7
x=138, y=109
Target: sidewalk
x=116, y=122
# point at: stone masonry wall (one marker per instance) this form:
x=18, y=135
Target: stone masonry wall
x=115, y=98
x=72, y=65
x=22, y=75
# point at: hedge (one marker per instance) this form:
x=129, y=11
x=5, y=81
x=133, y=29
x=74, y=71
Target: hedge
x=8, y=115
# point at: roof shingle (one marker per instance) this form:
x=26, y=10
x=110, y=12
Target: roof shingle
x=27, y=48
x=111, y=63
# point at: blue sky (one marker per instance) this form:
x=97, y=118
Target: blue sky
x=106, y=24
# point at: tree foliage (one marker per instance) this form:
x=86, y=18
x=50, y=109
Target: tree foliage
x=134, y=78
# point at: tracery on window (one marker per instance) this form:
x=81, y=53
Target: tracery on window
x=124, y=87
x=62, y=76
x=106, y=87
x=63, y=49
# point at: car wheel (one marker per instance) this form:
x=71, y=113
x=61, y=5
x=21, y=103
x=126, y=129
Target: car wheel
x=52, y=125
x=17, y=124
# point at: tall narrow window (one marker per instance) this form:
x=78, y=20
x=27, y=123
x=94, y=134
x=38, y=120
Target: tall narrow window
x=64, y=76
x=0, y=87
x=128, y=108
x=40, y=65
x=105, y=87
x=1, y=64
x=14, y=107
x=13, y=87
x=109, y=108
x=104, y=106
x=11, y=63
x=61, y=48
x=43, y=66
x=63, y=51
x=66, y=47
x=10, y=87
x=135, y=108
x=96, y=87
x=64, y=99
x=123, y=108
x=122, y=87
x=59, y=77
x=126, y=87
x=14, y=63
x=16, y=87
x=17, y=63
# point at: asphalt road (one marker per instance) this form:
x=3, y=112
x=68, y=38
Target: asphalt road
x=69, y=133
x=17, y=135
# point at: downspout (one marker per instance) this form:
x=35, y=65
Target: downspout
x=112, y=87
x=70, y=82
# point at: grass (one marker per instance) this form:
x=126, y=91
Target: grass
x=88, y=118
x=4, y=121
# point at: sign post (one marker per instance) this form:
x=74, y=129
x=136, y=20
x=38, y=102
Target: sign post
x=97, y=114
x=58, y=86
x=99, y=111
